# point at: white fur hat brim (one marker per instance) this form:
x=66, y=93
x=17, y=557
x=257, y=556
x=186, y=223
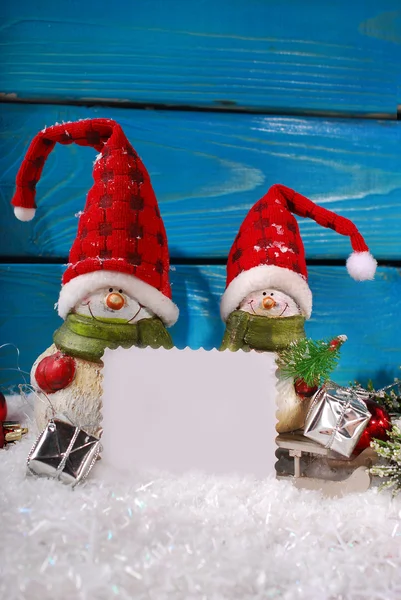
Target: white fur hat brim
x=150, y=297
x=265, y=276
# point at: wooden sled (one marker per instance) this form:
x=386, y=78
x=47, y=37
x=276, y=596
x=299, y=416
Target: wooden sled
x=298, y=445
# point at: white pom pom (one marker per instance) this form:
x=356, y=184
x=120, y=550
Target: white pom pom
x=361, y=266
x=24, y=214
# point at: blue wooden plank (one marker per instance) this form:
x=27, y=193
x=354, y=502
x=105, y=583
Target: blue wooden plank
x=277, y=54
x=207, y=170
x=367, y=312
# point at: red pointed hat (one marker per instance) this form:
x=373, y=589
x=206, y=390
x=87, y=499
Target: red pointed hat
x=121, y=240
x=268, y=250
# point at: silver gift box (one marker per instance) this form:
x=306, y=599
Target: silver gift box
x=336, y=418
x=64, y=452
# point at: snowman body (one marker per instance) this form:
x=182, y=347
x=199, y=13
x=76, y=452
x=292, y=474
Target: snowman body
x=80, y=401
x=291, y=409
x=275, y=304
x=79, y=396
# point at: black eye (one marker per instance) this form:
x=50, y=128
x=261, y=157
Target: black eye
x=264, y=293
x=272, y=294
x=120, y=291
x=110, y=289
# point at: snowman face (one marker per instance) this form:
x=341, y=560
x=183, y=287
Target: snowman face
x=269, y=303
x=112, y=303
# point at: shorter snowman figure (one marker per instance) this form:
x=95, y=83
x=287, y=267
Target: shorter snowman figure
x=116, y=289
x=267, y=297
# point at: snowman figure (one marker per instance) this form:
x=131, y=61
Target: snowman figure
x=258, y=325
x=267, y=297
x=116, y=289
x=272, y=304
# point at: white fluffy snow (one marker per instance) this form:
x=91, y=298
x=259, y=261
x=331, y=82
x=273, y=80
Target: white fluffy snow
x=190, y=538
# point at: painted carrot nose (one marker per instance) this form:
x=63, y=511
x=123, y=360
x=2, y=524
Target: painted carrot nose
x=268, y=302
x=115, y=301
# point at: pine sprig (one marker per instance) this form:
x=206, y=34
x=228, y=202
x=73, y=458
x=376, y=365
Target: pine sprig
x=310, y=360
x=389, y=397
x=390, y=450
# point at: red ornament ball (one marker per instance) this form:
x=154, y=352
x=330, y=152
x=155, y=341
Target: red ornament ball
x=3, y=408
x=303, y=389
x=55, y=372
x=378, y=426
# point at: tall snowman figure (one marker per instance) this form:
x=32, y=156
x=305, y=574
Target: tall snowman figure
x=115, y=290
x=267, y=297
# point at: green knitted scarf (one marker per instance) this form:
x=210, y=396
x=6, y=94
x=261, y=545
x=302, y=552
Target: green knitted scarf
x=246, y=332
x=87, y=338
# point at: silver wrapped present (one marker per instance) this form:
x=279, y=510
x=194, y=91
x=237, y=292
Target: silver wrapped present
x=336, y=418
x=64, y=452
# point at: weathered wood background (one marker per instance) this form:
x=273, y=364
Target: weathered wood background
x=242, y=95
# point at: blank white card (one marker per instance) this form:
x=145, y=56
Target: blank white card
x=185, y=410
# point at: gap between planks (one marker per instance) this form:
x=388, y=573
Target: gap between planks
x=226, y=107
x=179, y=260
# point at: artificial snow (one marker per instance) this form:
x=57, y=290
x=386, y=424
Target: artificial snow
x=191, y=537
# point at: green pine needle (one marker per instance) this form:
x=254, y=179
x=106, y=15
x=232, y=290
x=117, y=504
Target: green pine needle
x=310, y=360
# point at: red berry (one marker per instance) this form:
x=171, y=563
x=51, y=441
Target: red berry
x=55, y=372
x=303, y=389
x=378, y=426
x=3, y=408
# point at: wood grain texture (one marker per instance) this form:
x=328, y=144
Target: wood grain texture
x=367, y=312
x=272, y=54
x=208, y=170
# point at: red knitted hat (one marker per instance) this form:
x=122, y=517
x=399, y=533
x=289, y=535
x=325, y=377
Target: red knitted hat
x=268, y=250
x=121, y=240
